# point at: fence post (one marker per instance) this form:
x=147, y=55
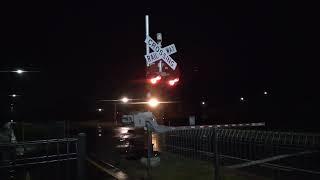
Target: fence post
x=216, y=154
x=81, y=172
x=13, y=157
x=150, y=148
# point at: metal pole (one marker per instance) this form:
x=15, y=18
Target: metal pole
x=64, y=128
x=150, y=150
x=115, y=114
x=159, y=40
x=147, y=48
x=22, y=130
x=67, y=128
x=216, y=155
x=81, y=159
x=147, y=32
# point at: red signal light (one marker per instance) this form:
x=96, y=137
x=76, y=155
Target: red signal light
x=155, y=80
x=173, y=82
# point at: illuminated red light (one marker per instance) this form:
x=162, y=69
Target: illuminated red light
x=173, y=82
x=155, y=80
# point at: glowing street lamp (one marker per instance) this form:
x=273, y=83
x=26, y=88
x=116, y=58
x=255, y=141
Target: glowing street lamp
x=124, y=99
x=13, y=95
x=19, y=71
x=153, y=102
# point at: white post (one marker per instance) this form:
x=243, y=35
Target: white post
x=159, y=40
x=160, y=66
x=147, y=32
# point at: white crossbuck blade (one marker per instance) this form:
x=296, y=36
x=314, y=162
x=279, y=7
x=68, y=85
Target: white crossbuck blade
x=160, y=53
x=153, y=57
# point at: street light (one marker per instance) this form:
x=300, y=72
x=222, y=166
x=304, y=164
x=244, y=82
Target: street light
x=19, y=71
x=153, y=102
x=124, y=99
x=14, y=95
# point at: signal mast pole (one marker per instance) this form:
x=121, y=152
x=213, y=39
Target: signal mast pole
x=147, y=32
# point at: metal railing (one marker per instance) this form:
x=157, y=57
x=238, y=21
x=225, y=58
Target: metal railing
x=238, y=148
x=31, y=153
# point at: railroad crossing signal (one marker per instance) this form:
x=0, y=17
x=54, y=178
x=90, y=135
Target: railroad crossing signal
x=153, y=57
x=160, y=53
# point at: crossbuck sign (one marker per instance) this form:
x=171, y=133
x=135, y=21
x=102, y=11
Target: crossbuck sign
x=160, y=53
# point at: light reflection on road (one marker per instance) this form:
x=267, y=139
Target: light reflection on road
x=155, y=142
x=126, y=133
x=125, y=138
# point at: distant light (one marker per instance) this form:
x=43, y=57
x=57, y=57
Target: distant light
x=155, y=80
x=124, y=99
x=203, y=103
x=11, y=121
x=99, y=135
x=100, y=110
x=153, y=102
x=173, y=82
x=159, y=37
x=124, y=130
x=241, y=99
x=19, y=71
x=14, y=95
x=265, y=93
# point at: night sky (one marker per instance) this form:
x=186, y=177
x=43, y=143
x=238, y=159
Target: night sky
x=90, y=50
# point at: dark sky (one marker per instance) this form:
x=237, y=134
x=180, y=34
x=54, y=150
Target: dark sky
x=88, y=50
